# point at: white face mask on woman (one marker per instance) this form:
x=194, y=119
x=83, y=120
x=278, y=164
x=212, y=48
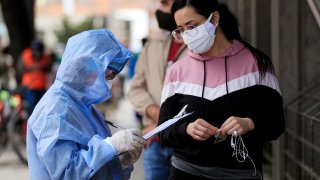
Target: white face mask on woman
x=201, y=38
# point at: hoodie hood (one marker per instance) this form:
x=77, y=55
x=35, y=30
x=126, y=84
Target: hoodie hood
x=235, y=47
x=84, y=63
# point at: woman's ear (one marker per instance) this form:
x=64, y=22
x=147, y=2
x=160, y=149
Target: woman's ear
x=215, y=17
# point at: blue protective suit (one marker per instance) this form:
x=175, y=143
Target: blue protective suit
x=65, y=132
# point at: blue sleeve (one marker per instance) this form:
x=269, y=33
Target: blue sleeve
x=127, y=172
x=68, y=153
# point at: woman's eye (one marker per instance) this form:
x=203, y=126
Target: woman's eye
x=190, y=27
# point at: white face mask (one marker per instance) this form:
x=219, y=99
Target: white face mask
x=201, y=38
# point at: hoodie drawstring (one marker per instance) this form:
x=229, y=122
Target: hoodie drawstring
x=204, y=83
x=227, y=88
x=203, y=87
x=226, y=74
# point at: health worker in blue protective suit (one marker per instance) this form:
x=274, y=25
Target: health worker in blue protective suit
x=67, y=137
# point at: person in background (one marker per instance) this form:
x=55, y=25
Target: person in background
x=157, y=55
x=35, y=65
x=132, y=66
x=67, y=137
x=233, y=91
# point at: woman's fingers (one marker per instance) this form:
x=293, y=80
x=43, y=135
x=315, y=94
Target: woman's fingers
x=241, y=125
x=201, y=130
x=204, y=128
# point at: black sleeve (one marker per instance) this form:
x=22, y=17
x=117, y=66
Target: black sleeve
x=268, y=116
x=175, y=135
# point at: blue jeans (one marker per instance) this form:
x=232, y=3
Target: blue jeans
x=157, y=162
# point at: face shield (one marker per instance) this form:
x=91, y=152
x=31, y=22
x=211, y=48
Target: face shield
x=114, y=68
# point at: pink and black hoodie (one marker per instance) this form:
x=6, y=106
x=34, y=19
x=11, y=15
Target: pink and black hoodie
x=215, y=89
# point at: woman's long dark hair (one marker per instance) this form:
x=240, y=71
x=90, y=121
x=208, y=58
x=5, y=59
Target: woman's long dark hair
x=229, y=26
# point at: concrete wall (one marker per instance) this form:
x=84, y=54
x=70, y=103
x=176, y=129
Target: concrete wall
x=310, y=46
x=289, y=47
x=299, y=47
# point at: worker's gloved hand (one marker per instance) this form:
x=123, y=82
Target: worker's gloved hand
x=129, y=157
x=127, y=140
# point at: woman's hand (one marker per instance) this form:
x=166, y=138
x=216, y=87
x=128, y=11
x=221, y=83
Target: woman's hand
x=201, y=130
x=241, y=125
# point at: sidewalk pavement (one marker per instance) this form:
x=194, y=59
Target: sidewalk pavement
x=10, y=166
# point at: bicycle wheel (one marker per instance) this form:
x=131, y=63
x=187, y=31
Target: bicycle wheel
x=17, y=135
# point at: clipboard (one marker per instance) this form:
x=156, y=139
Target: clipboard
x=168, y=123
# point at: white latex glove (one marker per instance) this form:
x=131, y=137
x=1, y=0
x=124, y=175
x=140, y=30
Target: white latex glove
x=129, y=157
x=127, y=140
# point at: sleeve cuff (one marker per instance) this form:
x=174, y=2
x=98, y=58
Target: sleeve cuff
x=107, y=140
x=183, y=131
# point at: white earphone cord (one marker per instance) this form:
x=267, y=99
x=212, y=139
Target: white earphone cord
x=239, y=148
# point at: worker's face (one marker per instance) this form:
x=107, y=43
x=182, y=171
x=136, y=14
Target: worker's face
x=114, y=68
x=110, y=75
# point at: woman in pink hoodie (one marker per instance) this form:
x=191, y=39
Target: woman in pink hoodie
x=232, y=89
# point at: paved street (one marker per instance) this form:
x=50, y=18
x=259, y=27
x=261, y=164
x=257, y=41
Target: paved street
x=11, y=168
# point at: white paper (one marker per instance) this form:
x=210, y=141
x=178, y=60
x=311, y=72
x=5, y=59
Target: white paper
x=163, y=126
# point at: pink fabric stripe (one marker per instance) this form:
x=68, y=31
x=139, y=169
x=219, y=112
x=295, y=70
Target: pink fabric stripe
x=190, y=70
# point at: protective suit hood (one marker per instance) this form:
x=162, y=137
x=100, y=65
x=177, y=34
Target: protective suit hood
x=84, y=63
